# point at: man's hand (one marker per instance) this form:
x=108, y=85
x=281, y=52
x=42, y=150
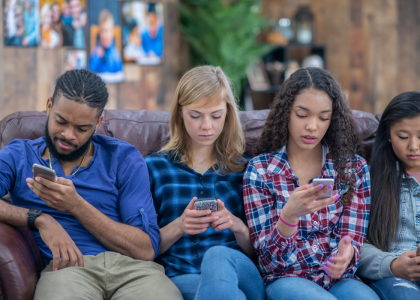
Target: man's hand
x=407, y=266
x=227, y=220
x=59, y=242
x=337, y=265
x=60, y=195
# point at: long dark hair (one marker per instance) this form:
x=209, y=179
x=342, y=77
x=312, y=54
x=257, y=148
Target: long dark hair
x=387, y=172
x=342, y=136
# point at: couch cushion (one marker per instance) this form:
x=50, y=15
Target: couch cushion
x=148, y=130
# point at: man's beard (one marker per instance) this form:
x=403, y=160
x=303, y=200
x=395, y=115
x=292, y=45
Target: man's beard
x=68, y=157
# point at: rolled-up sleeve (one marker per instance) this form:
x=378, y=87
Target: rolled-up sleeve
x=134, y=196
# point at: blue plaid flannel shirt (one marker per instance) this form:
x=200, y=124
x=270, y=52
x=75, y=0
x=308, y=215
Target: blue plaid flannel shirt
x=173, y=185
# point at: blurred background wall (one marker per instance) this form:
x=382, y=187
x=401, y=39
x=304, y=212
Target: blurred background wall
x=28, y=75
x=373, y=45
x=372, y=49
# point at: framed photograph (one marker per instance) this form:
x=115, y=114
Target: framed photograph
x=257, y=77
x=143, y=32
x=75, y=59
x=63, y=23
x=21, y=23
x=105, y=41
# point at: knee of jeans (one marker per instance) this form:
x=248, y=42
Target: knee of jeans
x=216, y=254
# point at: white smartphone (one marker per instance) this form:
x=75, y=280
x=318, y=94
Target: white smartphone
x=324, y=182
x=44, y=172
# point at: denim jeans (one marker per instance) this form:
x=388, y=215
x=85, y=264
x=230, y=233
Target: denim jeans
x=393, y=288
x=225, y=274
x=296, y=288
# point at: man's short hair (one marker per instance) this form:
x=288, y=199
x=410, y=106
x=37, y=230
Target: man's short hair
x=82, y=86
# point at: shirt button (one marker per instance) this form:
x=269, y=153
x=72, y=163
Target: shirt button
x=314, y=247
x=282, y=243
x=315, y=223
x=196, y=255
x=142, y=210
x=201, y=192
x=201, y=177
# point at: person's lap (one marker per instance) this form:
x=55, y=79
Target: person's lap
x=395, y=288
x=295, y=288
x=107, y=276
x=226, y=274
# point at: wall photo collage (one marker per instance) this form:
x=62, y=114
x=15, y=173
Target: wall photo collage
x=101, y=35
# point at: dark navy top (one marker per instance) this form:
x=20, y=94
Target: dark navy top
x=115, y=182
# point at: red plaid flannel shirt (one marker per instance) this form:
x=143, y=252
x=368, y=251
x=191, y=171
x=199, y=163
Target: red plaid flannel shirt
x=268, y=183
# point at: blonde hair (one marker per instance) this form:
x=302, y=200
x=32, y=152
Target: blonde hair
x=105, y=16
x=211, y=84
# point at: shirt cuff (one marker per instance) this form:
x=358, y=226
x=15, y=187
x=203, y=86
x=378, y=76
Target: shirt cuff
x=282, y=242
x=385, y=269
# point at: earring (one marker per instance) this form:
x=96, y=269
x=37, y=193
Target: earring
x=389, y=140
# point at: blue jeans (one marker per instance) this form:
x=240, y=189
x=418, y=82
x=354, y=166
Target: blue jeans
x=296, y=288
x=225, y=274
x=394, y=288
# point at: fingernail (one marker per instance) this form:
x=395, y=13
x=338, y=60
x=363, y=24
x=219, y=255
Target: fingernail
x=327, y=263
x=320, y=186
x=347, y=239
x=311, y=185
x=326, y=269
x=216, y=218
x=329, y=187
x=37, y=179
x=330, y=259
x=337, y=197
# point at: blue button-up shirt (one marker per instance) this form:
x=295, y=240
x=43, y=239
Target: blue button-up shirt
x=173, y=186
x=115, y=182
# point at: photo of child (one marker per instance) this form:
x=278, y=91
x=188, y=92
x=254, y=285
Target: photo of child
x=21, y=23
x=75, y=59
x=143, y=32
x=105, y=58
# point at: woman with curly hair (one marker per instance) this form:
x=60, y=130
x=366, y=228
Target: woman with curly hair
x=307, y=247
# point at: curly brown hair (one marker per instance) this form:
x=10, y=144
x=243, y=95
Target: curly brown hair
x=342, y=136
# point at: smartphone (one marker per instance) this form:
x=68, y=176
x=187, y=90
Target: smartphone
x=44, y=172
x=418, y=250
x=206, y=203
x=324, y=182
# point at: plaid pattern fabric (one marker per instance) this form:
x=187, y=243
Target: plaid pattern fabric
x=268, y=183
x=173, y=185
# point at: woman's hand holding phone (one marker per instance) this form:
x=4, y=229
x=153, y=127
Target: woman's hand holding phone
x=227, y=220
x=407, y=266
x=302, y=202
x=193, y=221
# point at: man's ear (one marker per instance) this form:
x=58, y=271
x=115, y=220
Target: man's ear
x=101, y=118
x=49, y=106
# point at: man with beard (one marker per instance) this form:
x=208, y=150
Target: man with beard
x=98, y=231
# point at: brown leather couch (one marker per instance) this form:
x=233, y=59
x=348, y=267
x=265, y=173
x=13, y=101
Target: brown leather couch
x=20, y=259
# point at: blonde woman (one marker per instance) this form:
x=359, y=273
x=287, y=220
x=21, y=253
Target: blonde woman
x=204, y=253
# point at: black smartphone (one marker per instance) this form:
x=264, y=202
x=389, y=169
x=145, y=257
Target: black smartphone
x=44, y=172
x=206, y=203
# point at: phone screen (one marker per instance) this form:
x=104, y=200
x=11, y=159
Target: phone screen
x=324, y=182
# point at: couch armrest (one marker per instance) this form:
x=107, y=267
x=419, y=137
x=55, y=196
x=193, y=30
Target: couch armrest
x=20, y=262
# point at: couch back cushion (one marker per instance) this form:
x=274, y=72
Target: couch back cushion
x=148, y=130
